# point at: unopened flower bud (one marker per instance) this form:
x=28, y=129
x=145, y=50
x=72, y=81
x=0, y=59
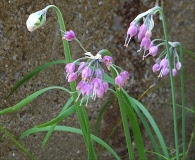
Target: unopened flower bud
x=178, y=65
x=69, y=35
x=174, y=72
x=36, y=20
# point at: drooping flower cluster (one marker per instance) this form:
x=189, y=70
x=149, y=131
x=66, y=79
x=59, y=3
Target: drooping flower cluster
x=144, y=34
x=92, y=82
x=162, y=64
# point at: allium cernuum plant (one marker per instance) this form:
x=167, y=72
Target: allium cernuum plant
x=92, y=75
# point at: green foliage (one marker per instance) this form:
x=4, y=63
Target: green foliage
x=17, y=143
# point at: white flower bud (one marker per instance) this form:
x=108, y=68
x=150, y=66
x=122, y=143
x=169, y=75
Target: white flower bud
x=36, y=20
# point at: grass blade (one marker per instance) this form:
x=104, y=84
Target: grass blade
x=17, y=143
x=48, y=135
x=33, y=73
x=59, y=118
x=72, y=130
x=136, y=130
x=29, y=99
x=152, y=123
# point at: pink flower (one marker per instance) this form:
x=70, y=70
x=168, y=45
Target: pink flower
x=178, y=65
x=153, y=51
x=106, y=86
x=132, y=31
x=148, y=34
x=86, y=73
x=174, y=72
x=155, y=67
x=98, y=73
x=119, y=80
x=108, y=61
x=70, y=67
x=80, y=85
x=81, y=66
x=145, y=43
x=142, y=29
x=69, y=35
x=165, y=71
x=125, y=75
x=164, y=63
x=100, y=91
x=72, y=77
x=86, y=89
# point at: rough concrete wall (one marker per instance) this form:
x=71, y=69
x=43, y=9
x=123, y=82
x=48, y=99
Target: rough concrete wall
x=98, y=24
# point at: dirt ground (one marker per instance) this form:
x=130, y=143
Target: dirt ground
x=99, y=24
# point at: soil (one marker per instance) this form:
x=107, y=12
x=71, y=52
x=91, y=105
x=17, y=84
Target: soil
x=99, y=24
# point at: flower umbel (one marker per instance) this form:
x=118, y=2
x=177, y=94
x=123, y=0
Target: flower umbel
x=92, y=82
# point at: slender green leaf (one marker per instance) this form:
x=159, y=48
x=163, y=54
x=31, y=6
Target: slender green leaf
x=29, y=99
x=48, y=135
x=72, y=130
x=158, y=154
x=33, y=73
x=152, y=122
x=189, y=53
x=136, y=130
x=59, y=118
x=99, y=117
x=144, y=122
x=17, y=143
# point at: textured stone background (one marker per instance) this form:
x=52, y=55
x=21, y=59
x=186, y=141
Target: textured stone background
x=98, y=24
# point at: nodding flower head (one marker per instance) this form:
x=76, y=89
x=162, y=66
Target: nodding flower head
x=36, y=20
x=132, y=31
x=108, y=61
x=93, y=82
x=69, y=35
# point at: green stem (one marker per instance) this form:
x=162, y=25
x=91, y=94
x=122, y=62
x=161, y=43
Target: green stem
x=172, y=82
x=81, y=113
x=80, y=45
x=183, y=102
